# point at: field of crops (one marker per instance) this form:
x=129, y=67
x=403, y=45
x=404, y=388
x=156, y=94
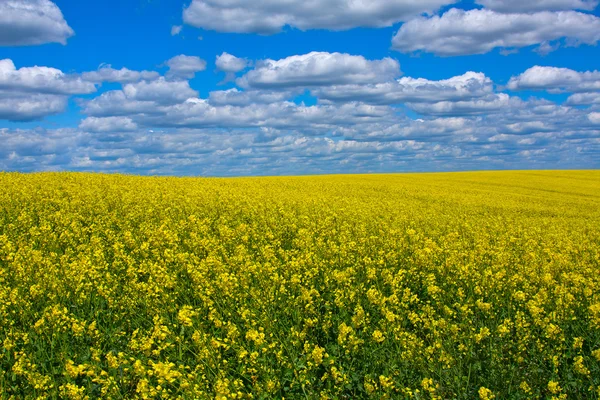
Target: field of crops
x=465, y=285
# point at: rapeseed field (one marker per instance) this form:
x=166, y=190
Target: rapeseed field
x=424, y=286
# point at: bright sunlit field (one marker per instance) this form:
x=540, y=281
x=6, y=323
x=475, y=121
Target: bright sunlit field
x=463, y=285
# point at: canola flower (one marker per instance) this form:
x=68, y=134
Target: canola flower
x=424, y=286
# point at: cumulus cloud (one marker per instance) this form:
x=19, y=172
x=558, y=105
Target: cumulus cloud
x=185, y=67
x=319, y=69
x=37, y=149
x=41, y=80
x=230, y=63
x=161, y=125
x=200, y=113
x=594, y=118
x=485, y=105
x=108, y=124
x=140, y=97
x=270, y=16
x=517, y=6
x=584, y=98
x=236, y=97
x=265, y=102
x=32, y=22
x=375, y=146
x=31, y=93
x=117, y=103
x=467, y=86
x=443, y=129
x=460, y=32
x=29, y=107
x=526, y=128
x=108, y=74
x=161, y=91
x=555, y=80
x=173, y=103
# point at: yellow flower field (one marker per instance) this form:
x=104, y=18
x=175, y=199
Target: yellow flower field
x=447, y=286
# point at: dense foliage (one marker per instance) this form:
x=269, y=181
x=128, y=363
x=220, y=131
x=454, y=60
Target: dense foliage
x=467, y=285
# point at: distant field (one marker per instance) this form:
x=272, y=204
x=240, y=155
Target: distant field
x=462, y=285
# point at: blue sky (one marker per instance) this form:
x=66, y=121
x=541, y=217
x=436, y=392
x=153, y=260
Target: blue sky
x=208, y=87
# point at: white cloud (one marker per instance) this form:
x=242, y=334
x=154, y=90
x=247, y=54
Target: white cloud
x=145, y=97
x=164, y=103
x=160, y=91
x=196, y=112
x=108, y=74
x=37, y=149
x=185, y=67
x=141, y=97
x=160, y=125
x=141, y=134
x=460, y=32
x=594, y=118
x=29, y=107
x=526, y=128
x=467, y=86
x=31, y=93
x=555, y=80
x=517, y=6
x=236, y=97
x=41, y=80
x=270, y=16
x=319, y=69
x=399, y=145
x=176, y=30
x=32, y=22
x=115, y=103
x=584, y=98
x=146, y=105
x=230, y=63
x=108, y=124
x=485, y=105
x=540, y=107
x=419, y=130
